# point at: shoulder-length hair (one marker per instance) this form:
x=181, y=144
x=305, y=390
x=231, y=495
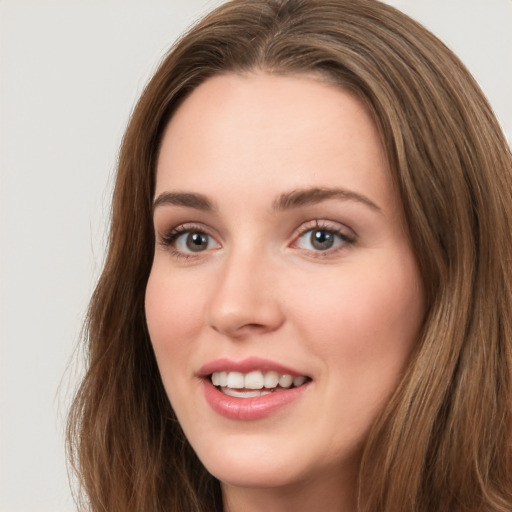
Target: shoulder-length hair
x=443, y=442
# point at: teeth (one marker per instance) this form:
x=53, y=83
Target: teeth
x=271, y=380
x=220, y=379
x=236, y=380
x=285, y=381
x=244, y=394
x=298, y=381
x=255, y=380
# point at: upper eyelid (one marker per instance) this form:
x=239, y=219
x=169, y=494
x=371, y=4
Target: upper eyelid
x=183, y=227
x=326, y=224
x=165, y=235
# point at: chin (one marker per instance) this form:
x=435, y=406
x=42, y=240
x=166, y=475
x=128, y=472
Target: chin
x=251, y=463
x=256, y=475
x=259, y=463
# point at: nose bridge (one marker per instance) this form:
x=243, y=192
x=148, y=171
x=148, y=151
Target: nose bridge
x=245, y=299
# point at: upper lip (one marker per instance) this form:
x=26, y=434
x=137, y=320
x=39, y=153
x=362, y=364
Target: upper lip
x=245, y=366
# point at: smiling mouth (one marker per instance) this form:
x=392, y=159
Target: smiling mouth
x=255, y=383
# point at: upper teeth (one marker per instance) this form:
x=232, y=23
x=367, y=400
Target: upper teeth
x=255, y=380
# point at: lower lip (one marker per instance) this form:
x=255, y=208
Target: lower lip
x=246, y=409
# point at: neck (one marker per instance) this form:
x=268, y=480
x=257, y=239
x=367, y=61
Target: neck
x=325, y=494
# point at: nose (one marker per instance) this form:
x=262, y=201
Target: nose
x=245, y=301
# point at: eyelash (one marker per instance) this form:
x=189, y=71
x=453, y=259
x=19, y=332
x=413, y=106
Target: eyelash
x=168, y=239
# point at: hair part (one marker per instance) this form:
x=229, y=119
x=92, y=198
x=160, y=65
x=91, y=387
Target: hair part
x=444, y=440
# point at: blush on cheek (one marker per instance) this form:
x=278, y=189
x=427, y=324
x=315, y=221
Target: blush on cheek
x=169, y=308
x=365, y=317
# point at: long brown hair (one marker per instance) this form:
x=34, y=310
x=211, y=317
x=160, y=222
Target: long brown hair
x=444, y=440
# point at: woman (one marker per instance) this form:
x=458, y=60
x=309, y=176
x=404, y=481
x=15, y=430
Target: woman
x=306, y=300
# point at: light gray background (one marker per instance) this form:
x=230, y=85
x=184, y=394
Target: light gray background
x=70, y=73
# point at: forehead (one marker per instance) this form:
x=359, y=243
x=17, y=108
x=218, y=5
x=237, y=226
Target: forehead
x=279, y=132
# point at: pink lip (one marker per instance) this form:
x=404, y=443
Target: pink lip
x=253, y=408
x=244, y=366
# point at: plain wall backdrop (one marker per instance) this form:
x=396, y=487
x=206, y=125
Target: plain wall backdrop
x=70, y=73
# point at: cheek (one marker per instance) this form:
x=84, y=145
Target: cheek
x=365, y=320
x=173, y=315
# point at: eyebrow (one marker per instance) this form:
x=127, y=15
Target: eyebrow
x=286, y=201
x=308, y=196
x=187, y=199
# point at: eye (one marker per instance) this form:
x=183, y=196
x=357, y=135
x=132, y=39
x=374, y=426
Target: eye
x=193, y=241
x=186, y=240
x=319, y=240
x=322, y=239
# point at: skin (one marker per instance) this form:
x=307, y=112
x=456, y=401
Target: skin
x=347, y=317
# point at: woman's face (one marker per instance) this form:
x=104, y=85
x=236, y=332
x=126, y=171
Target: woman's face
x=282, y=272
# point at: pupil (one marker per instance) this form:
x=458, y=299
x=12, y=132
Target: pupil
x=197, y=242
x=322, y=240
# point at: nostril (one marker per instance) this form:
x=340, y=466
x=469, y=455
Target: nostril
x=251, y=328
x=254, y=326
